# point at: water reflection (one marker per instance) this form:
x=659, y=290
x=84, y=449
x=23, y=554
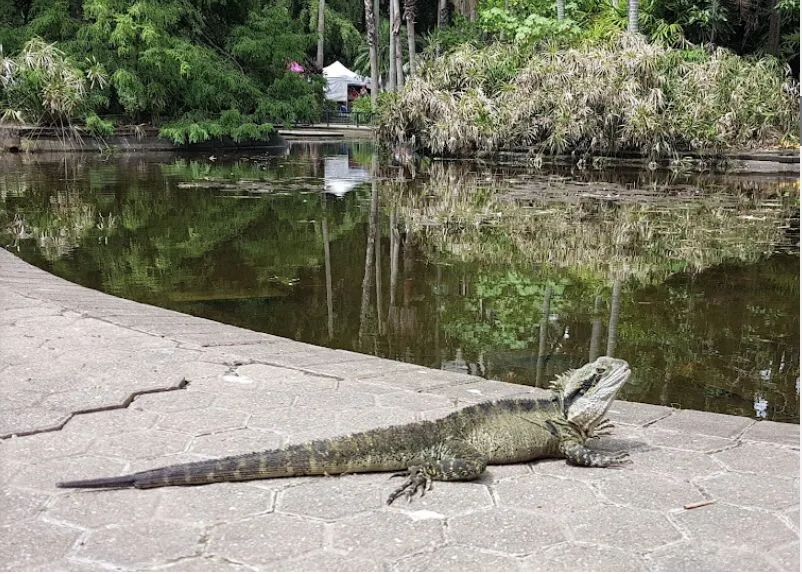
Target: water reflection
x=509, y=274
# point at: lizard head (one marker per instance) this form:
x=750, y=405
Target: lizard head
x=587, y=392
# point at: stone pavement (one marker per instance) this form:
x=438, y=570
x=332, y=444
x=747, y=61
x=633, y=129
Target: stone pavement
x=93, y=385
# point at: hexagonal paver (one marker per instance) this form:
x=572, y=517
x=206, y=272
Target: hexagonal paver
x=540, y=492
x=213, y=503
x=712, y=424
x=786, y=556
x=445, y=499
x=45, y=445
x=95, y=508
x=769, y=431
x=142, y=544
x=761, y=458
x=648, y=491
x=17, y=505
x=636, y=413
x=727, y=525
x=286, y=380
x=696, y=557
x=415, y=401
x=263, y=539
x=334, y=497
x=454, y=558
x=507, y=530
x=761, y=491
x=203, y=421
x=31, y=542
x=141, y=444
x=686, y=441
x=107, y=423
x=583, y=557
x=180, y=400
x=239, y=441
x=335, y=399
x=202, y=564
x=327, y=561
x=252, y=400
x=318, y=423
x=45, y=474
x=30, y=419
x=641, y=529
x=676, y=463
x=386, y=534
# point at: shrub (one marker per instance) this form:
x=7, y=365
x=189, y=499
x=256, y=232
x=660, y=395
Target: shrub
x=606, y=97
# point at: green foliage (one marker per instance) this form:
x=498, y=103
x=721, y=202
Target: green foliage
x=193, y=128
x=527, y=22
x=98, y=127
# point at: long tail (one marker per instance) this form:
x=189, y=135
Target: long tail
x=362, y=452
x=126, y=481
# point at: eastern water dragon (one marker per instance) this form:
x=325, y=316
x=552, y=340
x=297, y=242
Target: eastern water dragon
x=456, y=447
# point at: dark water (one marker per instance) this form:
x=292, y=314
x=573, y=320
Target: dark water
x=510, y=274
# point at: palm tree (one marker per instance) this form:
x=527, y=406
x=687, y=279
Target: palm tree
x=632, y=24
x=560, y=9
x=370, y=25
x=396, y=28
x=320, y=27
x=410, y=9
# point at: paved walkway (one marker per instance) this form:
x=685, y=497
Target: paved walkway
x=94, y=385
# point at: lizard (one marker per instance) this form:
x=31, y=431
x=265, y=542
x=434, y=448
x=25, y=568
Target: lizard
x=457, y=447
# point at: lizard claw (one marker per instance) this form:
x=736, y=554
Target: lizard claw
x=417, y=481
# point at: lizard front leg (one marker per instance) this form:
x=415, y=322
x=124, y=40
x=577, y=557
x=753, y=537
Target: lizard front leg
x=452, y=460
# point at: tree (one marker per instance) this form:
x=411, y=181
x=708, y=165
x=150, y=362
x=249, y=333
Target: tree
x=392, y=75
x=442, y=14
x=396, y=29
x=409, y=14
x=321, y=25
x=370, y=25
x=560, y=9
x=632, y=22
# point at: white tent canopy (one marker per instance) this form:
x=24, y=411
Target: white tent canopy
x=338, y=78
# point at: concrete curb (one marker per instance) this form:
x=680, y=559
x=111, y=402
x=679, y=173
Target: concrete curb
x=95, y=385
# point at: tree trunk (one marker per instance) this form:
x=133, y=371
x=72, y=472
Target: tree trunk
x=409, y=13
x=773, y=39
x=370, y=25
x=391, y=75
x=442, y=14
x=320, y=26
x=399, y=53
x=632, y=22
x=560, y=9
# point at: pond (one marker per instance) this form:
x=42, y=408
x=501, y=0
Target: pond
x=509, y=273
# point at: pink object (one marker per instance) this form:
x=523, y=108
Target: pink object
x=295, y=67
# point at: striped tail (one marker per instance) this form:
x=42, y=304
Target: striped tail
x=356, y=453
x=126, y=481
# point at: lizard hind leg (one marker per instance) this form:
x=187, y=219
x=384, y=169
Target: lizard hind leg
x=452, y=460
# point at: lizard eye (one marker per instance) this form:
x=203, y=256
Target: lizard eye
x=600, y=370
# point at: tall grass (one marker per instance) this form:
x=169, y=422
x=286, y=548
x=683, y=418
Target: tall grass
x=625, y=95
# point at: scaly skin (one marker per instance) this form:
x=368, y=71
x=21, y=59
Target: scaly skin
x=457, y=447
